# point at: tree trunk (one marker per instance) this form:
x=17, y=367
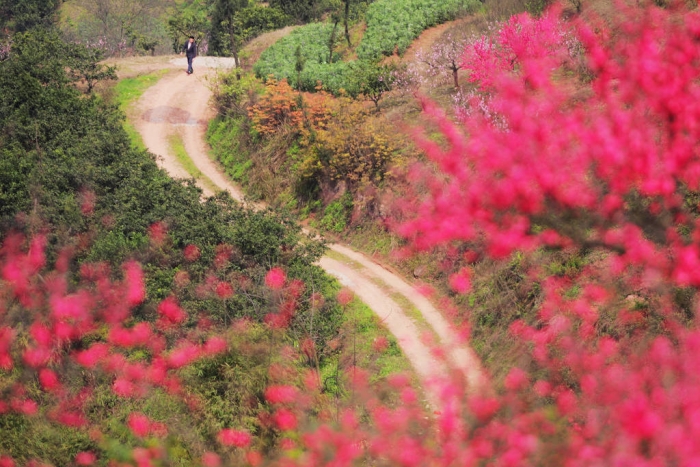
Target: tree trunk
x=347, y=14
x=455, y=76
x=235, y=58
x=331, y=42
x=234, y=48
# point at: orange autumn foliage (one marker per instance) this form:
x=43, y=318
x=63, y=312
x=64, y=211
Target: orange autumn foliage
x=282, y=108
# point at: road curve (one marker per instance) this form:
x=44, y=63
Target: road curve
x=179, y=104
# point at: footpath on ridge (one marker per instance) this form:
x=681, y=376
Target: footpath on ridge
x=178, y=105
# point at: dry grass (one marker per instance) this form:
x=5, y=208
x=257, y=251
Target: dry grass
x=500, y=10
x=253, y=49
x=594, y=9
x=356, y=33
x=131, y=67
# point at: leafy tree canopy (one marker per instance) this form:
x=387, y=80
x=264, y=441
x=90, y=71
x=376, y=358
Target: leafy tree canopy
x=22, y=15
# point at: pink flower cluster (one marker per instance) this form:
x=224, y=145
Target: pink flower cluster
x=570, y=167
x=45, y=323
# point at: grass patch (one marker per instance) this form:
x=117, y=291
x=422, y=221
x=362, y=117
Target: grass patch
x=130, y=89
x=341, y=257
x=127, y=91
x=410, y=310
x=225, y=136
x=373, y=239
x=178, y=149
x=366, y=344
x=362, y=320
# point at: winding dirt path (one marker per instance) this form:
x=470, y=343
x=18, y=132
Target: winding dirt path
x=179, y=105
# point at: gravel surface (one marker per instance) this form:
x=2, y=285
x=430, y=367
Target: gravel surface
x=206, y=62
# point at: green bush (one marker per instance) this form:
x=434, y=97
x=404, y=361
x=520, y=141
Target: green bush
x=303, y=10
x=233, y=90
x=255, y=20
x=26, y=438
x=336, y=215
x=394, y=24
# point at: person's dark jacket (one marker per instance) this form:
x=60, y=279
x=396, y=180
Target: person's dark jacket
x=190, y=50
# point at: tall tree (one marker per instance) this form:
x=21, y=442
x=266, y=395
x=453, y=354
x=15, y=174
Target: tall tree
x=345, y=22
x=22, y=15
x=335, y=19
x=118, y=24
x=226, y=36
x=189, y=19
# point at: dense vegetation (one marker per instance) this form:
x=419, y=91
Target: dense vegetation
x=569, y=241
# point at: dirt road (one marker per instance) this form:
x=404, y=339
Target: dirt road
x=179, y=105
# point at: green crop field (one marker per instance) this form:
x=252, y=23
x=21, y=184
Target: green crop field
x=391, y=25
x=280, y=60
x=394, y=24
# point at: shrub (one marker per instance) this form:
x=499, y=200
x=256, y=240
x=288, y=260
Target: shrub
x=351, y=151
x=228, y=139
x=371, y=80
x=255, y=20
x=233, y=91
x=301, y=10
x=81, y=370
x=337, y=213
x=281, y=107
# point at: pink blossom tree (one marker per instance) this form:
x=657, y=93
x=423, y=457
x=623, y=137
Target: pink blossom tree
x=608, y=167
x=444, y=58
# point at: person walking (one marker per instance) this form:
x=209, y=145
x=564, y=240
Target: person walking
x=190, y=49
